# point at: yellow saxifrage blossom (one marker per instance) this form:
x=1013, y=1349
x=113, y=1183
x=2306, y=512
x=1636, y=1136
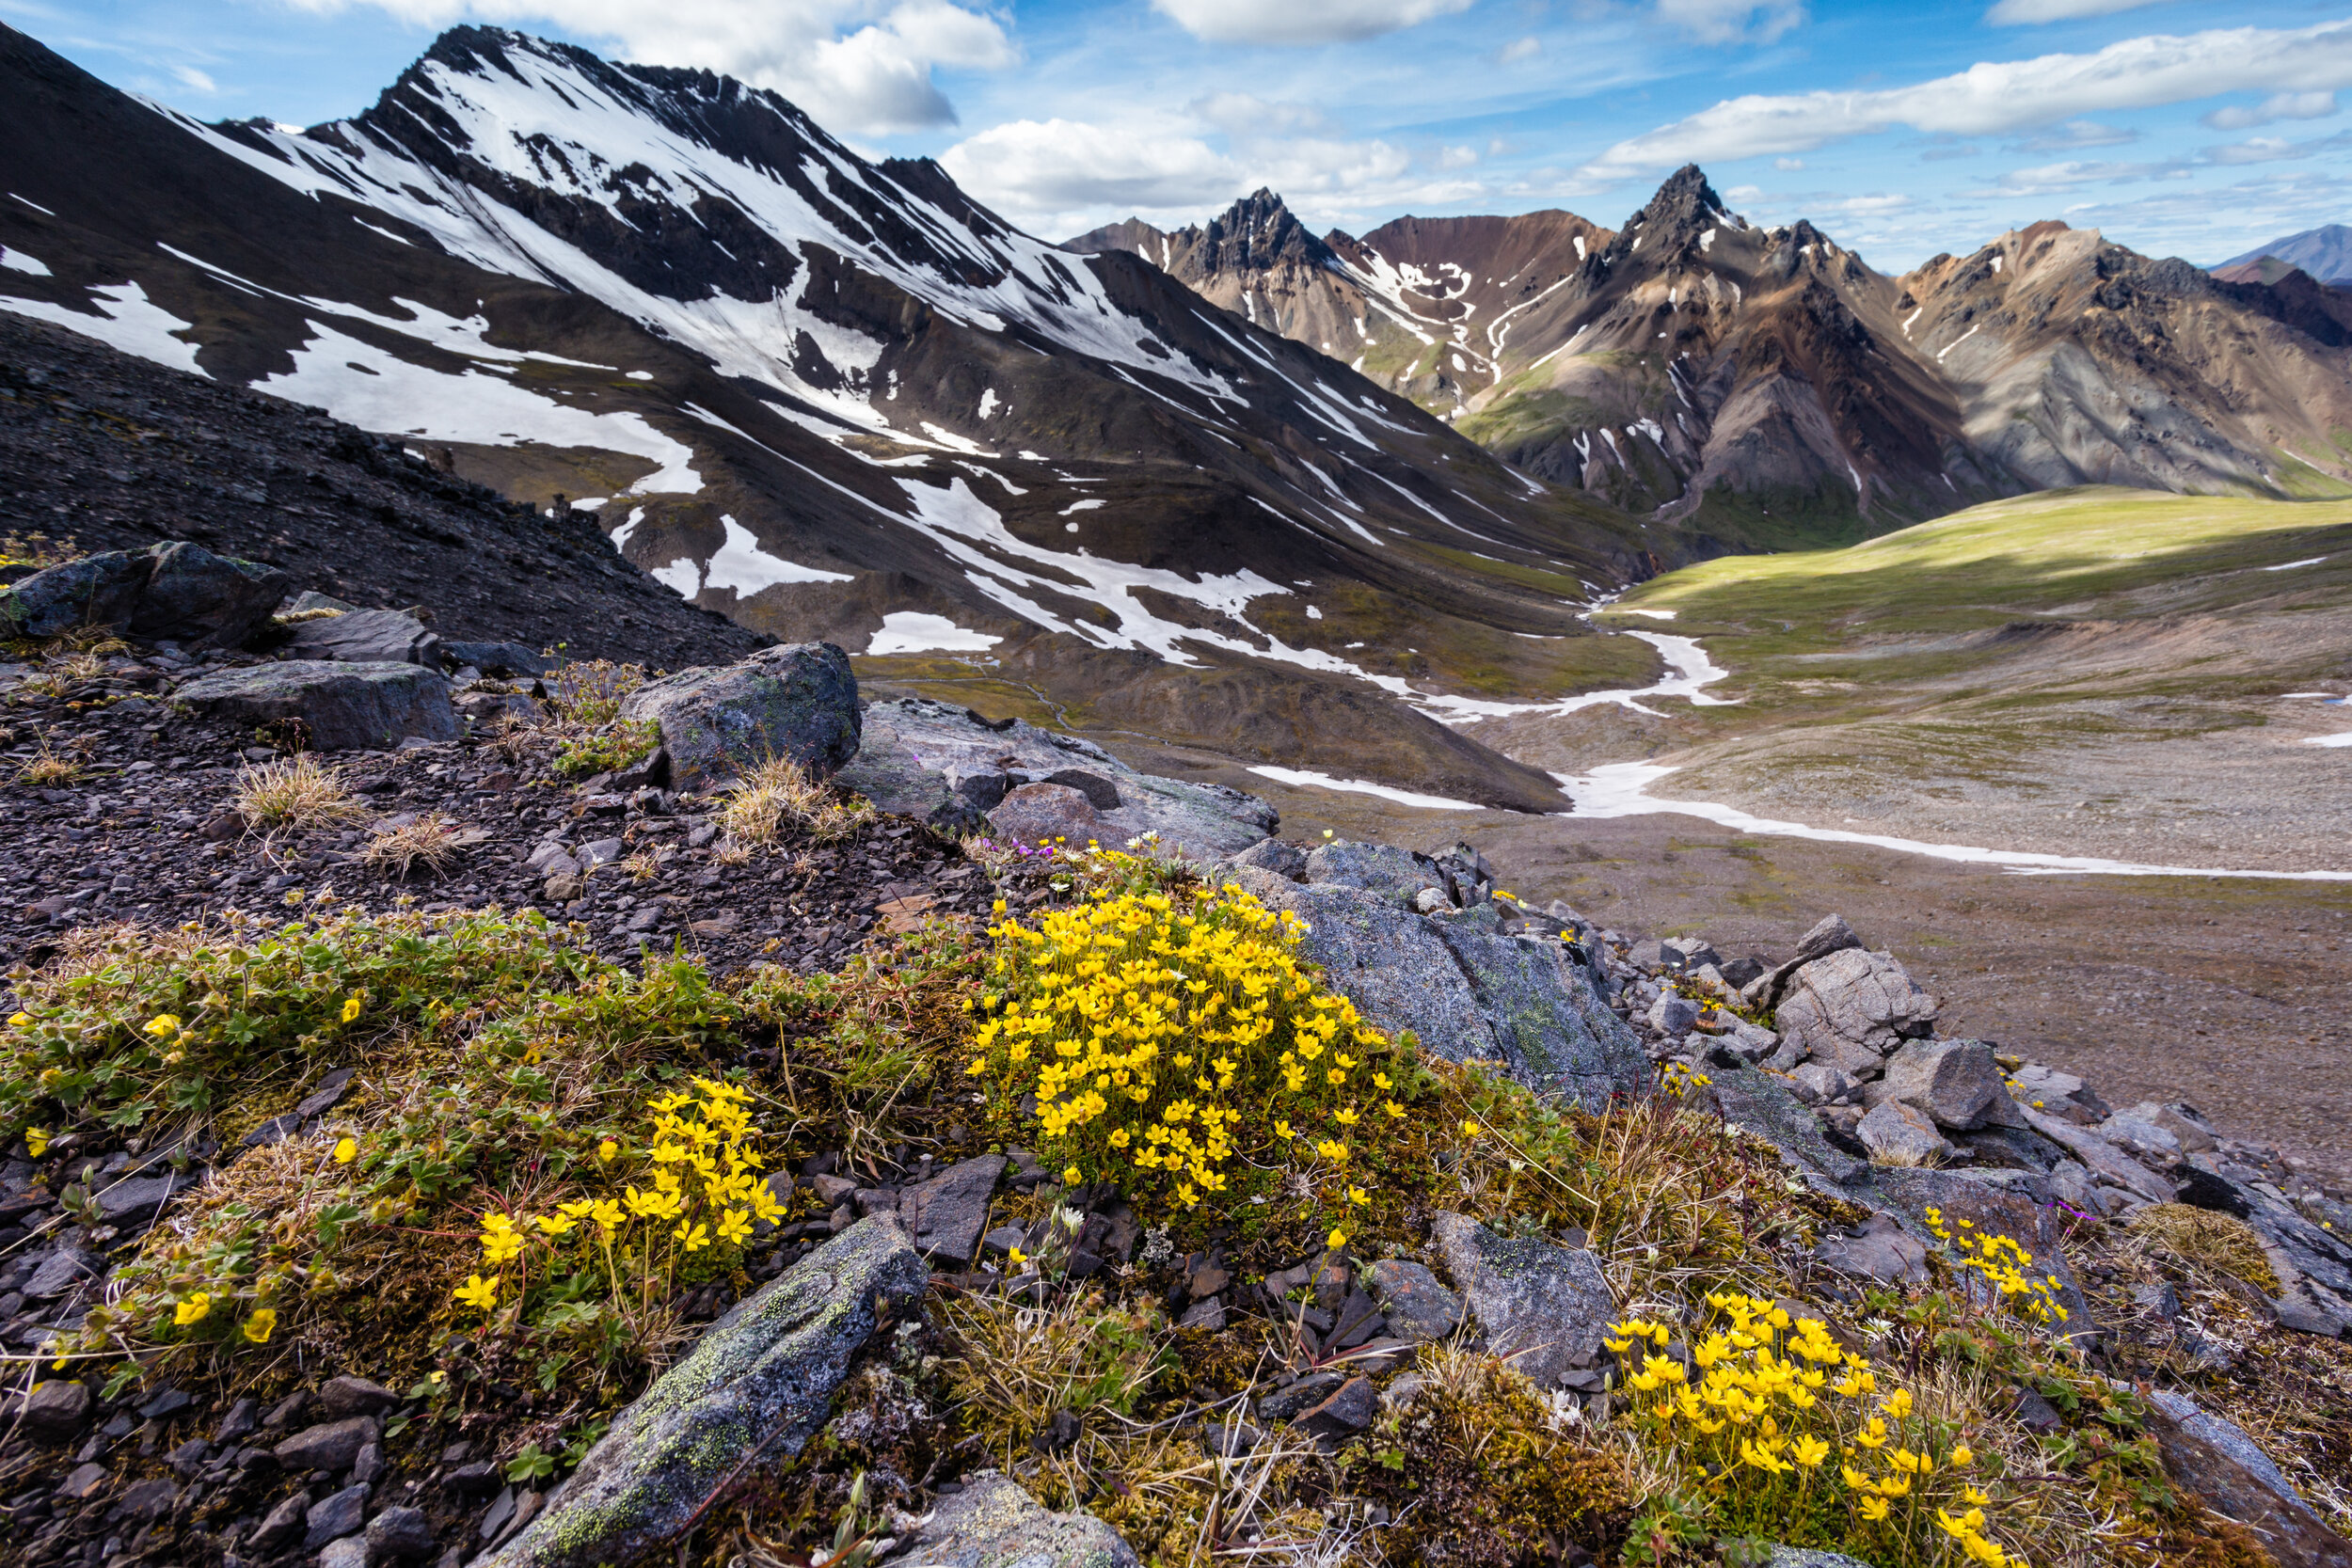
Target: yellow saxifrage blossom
x=1766, y=1399
x=1167, y=1041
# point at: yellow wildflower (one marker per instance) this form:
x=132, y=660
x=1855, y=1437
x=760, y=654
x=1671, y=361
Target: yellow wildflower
x=477, y=1293
x=195, y=1309
x=259, y=1326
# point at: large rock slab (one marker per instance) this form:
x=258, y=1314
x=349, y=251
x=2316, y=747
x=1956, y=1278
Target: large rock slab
x=1850, y=1010
x=1464, y=989
x=948, y=764
x=175, y=592
x=368, y=637
x=752, y=1391
x=1543, y=1309
x=2226, y=1471
x=1397, y=874
x=798, y=700
x=993, y=1524
x=2313, y=1263
x=1760, y=1104
x=1047, y=813
x=342, y=707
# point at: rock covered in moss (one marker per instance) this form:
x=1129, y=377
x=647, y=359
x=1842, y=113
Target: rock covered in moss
x=752, y=1392
x=993, y=1524
x=799, y=701
x=172, y=592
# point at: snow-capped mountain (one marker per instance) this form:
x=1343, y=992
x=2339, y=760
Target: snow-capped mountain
x=824, y=395
x=1770, y=387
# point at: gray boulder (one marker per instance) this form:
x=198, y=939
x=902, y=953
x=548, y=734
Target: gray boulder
x=993, y=1524
x=368, y=637
x=174, y=592
x=1850, y=1010
x=1831, y=935
x=2105, y=1160
x=752, y=1391
x=340, y=706
x=947, y=1215
x=1897, y=1133
x=1543, y=1309
x=1287, y=861
x=55, y=1411
x=799, y=701
x=947, y=765
x=1547, y=1021
x=1042, y=813
x=1955, y=1081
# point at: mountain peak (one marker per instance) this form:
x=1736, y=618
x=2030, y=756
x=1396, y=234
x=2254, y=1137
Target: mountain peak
x=1685, y=200
x=1260, y=231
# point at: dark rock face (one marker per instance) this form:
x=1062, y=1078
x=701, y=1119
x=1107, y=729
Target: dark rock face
x=755, y=1388
x=176, y=591
x=945, y=1214
x=2228, y=1472
x=341, y=706
x=798, y=702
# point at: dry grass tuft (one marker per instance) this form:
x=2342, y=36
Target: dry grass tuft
x=1021, y=1364
x=48, y=771
x=779, y=793
x=2206, y=1240
x=296, y=793
x=426, y=842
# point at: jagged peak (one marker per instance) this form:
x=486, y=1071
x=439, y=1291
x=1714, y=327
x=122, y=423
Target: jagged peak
x=1259, y=230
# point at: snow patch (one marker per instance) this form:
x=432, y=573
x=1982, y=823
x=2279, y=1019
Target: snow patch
x=741, y=564
x=913, y=631
x=1620, y=789
x=1307, y=779
x=1088, y=505
x=988, y=402
x=132, y=323
x=16, y=260
x=2291, y=565
x=2344, y=740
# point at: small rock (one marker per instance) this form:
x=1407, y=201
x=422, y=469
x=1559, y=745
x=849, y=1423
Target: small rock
x=401, y=1534
x=477, y=1479
x=163, y=1404
x=55, y=1412
x=368, y=1464
x=1229, y=1439
x=1674, y=1016
x=1207, y=1313
x=334, y=1516
x=1955, y=1081
x=498, y=1515
x=1417, y=1306
x=352, y=1551
x=280, y=1526
x=1349, y=1409
x=60, y=1273
x=1879, y=1248
x=1283, y=1404
x=243, y=1421
x=945, y=1214
x=1042, y=813
x=339, y=1396
x=189, y=1457
x=329, y=1445
x=83, y=1481
x=1819, y=1084
x=148, y=1499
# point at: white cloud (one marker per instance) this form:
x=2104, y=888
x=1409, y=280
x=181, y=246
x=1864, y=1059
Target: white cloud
x=1458, y=157
x=2017, y=13
x=1328, y=22
x=2270, y=149
x=2076, y=134
x=1733, y=20
x=1789, y=165
x=1033, y=170
x=2278, y=105
x=1240, y=114
x=1992, y=98
x=1520, y=49
x=854, y=65
x=189, y=76
x=2050, y=178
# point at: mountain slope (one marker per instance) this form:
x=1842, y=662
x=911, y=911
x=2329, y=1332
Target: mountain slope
x=1768, y=387
x=2325, y=252
x=821, y=395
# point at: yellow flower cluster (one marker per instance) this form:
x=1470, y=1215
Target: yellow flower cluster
x=1775, y=1398
x=2001, y=1263
x=1162, y=1038
x=1680, y=1078
x=702, y=1156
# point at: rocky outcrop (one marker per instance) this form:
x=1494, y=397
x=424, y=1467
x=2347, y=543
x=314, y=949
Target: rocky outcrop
x=2227, y=1472
x=754, y=1389
x=368, y=637
x=338, y=707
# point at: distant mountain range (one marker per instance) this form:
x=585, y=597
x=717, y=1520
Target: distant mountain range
x=1768, y=387
x=827, y=396
x=2324, y=253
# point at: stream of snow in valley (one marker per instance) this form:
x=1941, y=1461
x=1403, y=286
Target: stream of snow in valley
x=1622, y=788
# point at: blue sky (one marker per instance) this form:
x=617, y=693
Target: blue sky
x=2178, y=128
